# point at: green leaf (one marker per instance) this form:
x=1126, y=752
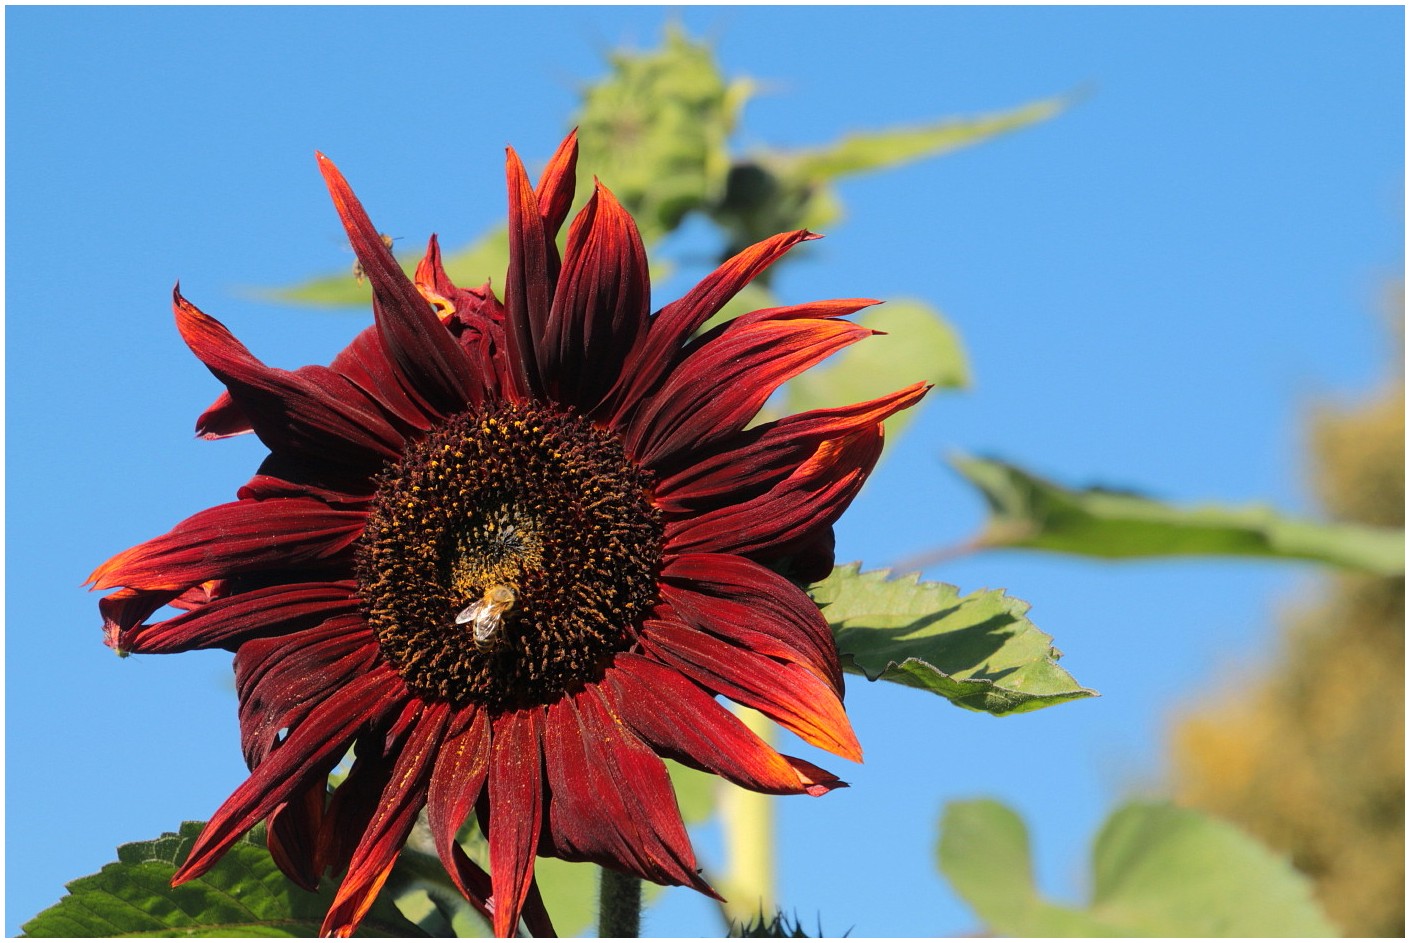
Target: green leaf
x=980, y=650
x=1157, y=871
x=775, y=190
x=1030, y=512
x=245, y=894
x=656, y=130
x=917, y=344
x=860, y=152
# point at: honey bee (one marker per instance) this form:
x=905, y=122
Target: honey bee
x=485, y=614
x=358, y=272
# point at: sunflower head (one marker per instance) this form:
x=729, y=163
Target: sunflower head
x=508, y=552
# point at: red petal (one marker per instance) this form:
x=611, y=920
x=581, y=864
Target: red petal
x=427, y=358
x=311, y=411
x=125, y=609
x=657, y=351
x=757, y=459
x=720, y=387
x=831, y=308
x=516, y=811
x=612, y=802
x=222, y=419
x=281, y=680
x=397, y=808
x=456, y=784
x=751, y=606
x=787, y=693
x=289, y=768
x=681, y=721
x=528, y=293
x=556, y=185
x=238, y=537
x=354, y=801
x=225, y=623
x=264, y=486
x=292, y=837
x=794, y=514
x=365, y=364
x=600, y=306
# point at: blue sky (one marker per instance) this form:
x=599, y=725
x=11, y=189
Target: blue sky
x=1152, y=289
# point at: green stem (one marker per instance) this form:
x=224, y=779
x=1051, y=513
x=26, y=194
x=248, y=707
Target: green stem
x=748, y=822
x=619, y=905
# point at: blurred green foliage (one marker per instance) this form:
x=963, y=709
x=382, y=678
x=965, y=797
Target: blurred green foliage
x=1157, y=870
x=1309, y=753
x=1029, y=512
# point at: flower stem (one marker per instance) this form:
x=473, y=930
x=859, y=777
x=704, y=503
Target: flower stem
x=748, y=821
x=619, y=912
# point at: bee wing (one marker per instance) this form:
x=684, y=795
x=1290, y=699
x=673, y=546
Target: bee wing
x=472, y=612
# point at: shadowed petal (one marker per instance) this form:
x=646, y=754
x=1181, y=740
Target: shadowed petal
x=310, y=411
x=456, y=784
x=427, y=358
x=225, y=623
x=612, y=802
x=516, y=811
x=528, y=293
x=680, y=720
x=286, y=772
x=788, y=693
x=238, y=537
x=292, y=836
x=365, y=364
x=279, y=681
x=600, y=307
x=222, y=419
x=397, y=808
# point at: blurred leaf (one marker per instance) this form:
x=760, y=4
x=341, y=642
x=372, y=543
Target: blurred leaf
x=656, y=131
x=484, y=260
x=425, y=894
x=570, y=892
x=245, y=894
x=1157, y=871
x=1029, y=512
x=980, y=650
x=917, y=344
x=860, y=152
x=695, y=792
x=776, y=191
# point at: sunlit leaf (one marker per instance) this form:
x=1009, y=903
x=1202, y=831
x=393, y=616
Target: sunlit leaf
x=1156, y=871
x=656, y=130
x=1030, y=512
x=245, y=894
x=979, y=651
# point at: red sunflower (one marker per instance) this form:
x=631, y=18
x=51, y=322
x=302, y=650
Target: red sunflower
x=508, y=554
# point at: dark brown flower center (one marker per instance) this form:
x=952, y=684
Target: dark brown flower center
x=508, y=555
